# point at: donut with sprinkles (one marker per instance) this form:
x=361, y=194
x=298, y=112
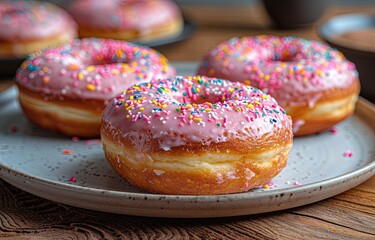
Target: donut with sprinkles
x=27, y=26
x=314, y=83
x=66, y=88
x=196, y=135
x=143, y=21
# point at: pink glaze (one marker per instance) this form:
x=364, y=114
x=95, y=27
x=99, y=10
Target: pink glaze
x=142, y=15
x=293, y=70
x=91, y=68
x=29, y=20
x=179, y=110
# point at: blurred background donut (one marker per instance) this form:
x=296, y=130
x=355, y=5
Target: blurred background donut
x=28, y=26
x=130, y=20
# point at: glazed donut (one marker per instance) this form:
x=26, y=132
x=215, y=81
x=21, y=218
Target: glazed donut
x=314, y=83
x=66, y=88
x=141, y=21
x=27, y=26
x=196, y=135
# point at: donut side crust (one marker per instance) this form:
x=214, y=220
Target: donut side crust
x=333, y=107
x=217, y=168
x=69, y=117
x=23, y=47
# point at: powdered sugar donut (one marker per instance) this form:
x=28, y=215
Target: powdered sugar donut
x=196, y=135
x=66, y=88
x=314, y=83
x=141, y=20
x=27, y=26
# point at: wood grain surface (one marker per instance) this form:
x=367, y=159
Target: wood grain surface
x=350, y=215
x=347, y=216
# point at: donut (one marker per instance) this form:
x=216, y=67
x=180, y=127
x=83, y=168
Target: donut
x=27, y=26
x=314, y=83
x=141, y=21
x=196, y=135
x=66, y=88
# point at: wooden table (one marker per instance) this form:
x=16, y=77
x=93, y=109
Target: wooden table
x=350, y=215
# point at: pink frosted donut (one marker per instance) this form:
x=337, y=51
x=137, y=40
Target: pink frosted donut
x=27, y=26
x=66, y=88
x=141, y=20
x=196, y=135
x=314, y=83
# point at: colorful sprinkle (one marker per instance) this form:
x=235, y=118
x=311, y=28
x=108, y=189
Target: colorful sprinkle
x=348, y=153
x=296, y=183
x=67, y=151
x=90, y=87
x=92, y=141
x=14, y=129
x=333, y=131
x=75, y=139
x=72, y=179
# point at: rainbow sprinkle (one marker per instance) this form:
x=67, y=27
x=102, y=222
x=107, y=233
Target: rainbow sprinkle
x=348, y=153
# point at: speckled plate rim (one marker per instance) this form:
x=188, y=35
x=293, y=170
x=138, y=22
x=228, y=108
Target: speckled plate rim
x=189, y=206
x=360, y=172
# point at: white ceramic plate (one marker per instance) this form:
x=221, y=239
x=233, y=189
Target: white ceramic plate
x=33, y=160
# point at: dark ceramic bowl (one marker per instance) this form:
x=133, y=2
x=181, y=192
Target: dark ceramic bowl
x=354, y=36
x=9, y=66
x=294, y=13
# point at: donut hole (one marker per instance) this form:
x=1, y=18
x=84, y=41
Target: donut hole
x=286, y=55
x=199, y=98
x=204, y=96
x=285, y=52
x=212, y=98
x=114, y=54
x=108, y=59
x=287, y=59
